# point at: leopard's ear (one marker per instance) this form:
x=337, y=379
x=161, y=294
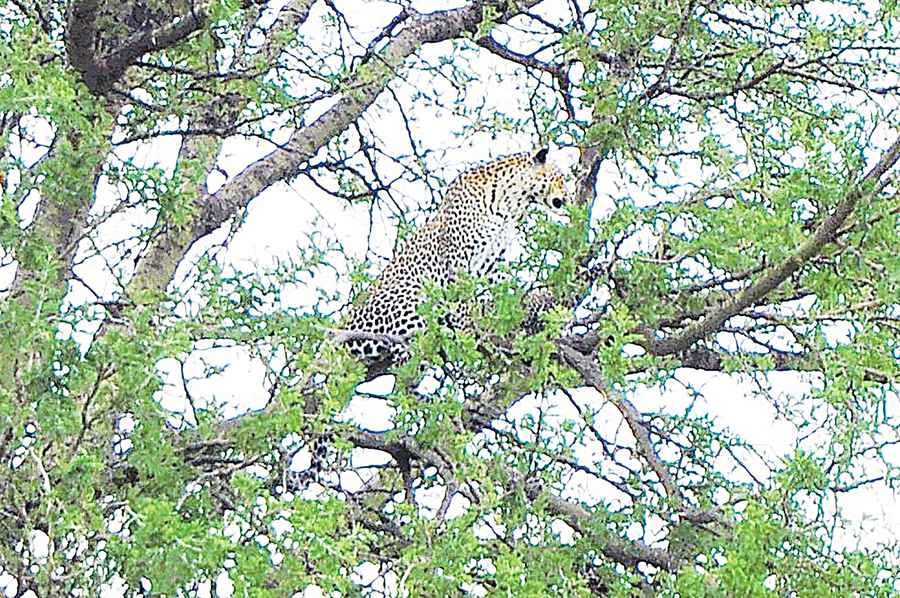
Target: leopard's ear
x=540, y=156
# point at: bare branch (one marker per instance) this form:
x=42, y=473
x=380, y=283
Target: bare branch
x=526, y=60
x=591, y=375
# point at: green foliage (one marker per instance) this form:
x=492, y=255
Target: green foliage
x=766, y=558
x=727, y=134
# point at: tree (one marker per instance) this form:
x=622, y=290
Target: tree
x=735, y=228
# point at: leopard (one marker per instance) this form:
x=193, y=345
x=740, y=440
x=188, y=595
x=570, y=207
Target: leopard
x=471, y=231
x=477, y=221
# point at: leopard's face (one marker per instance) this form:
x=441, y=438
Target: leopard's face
x=514, y=185
x=551, y=191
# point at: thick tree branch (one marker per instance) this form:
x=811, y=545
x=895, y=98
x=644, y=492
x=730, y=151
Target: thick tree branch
x=625, y=552
x=60, y=218
x=100, y=73
x=588, y=169
x=700, y=358
x=154, y=40
x=824, y=234
x=81, y=33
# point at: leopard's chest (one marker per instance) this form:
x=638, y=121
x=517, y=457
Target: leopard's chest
x=490, y=247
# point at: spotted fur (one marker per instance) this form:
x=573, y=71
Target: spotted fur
x=473, y=227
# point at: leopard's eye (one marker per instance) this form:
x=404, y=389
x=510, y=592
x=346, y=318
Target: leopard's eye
x=557, y=202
